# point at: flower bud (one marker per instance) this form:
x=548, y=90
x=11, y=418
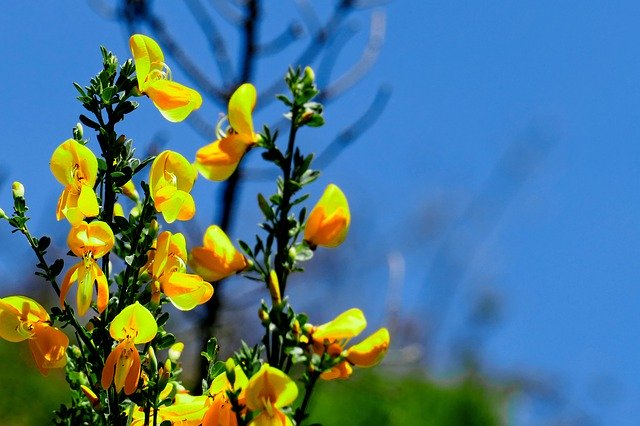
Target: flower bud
x=175, y=351
x=328, y=222
x=230, y=366
x=92, y=397
x=3, y=215
x=274, y=288
x=263, y=315
x=152, y=358
x=309, y=75
x=18, y=190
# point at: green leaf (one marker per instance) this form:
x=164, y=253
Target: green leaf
x=265, y=207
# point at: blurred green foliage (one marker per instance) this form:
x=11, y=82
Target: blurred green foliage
x=368, y=398
x=27, y=397
x=385, y=398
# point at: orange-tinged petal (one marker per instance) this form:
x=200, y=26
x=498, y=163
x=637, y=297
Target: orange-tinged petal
x=328, y=222
x=341, y=371
x=218, y=160
x=95, y=237
x=371, y=350
x=48, y=347
x=174, y=101
x=147, y=56
x=133, y=371
x=241, y=105
x=108, y=370
x=178, y=206
x=277, y=418
x=136, y=322
x=103, y=288
x=187, y=410
x=170, y=165
x=69, y=278
x=345, y=326
x=186, y=291
x=218, y=258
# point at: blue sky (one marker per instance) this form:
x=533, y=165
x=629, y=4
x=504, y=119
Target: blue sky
x=560, y=248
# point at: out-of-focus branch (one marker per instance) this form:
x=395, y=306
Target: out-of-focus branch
x=224, y=8
x=351, y=133
x=368, y=58
x=454, y=256
x=292, y=33
x=216, y=41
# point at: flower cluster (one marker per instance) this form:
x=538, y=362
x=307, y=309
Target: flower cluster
x=136, y=269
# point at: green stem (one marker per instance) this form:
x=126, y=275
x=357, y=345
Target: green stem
x=301, y=411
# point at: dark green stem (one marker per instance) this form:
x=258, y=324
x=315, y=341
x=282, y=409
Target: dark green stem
x=308, y=390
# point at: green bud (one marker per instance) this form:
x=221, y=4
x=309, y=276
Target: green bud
x=309, y=76
x=78, y=132
x=152, y=358
x=18, y=190
x=3, y=215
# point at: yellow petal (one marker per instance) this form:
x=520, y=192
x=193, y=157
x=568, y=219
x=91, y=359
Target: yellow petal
x=371, y=350
x=178, y=206
x=87, y=202
x=147, y=56
x=341, y=371
x=186, y=291
x=346, y=325
x=174, y=100
x=18, y=316
x=241, y=105
x=73, y=163
x=270, y=386
x=85, y=289
x=136, y=322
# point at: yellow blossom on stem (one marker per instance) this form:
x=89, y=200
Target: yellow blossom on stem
x=135, y=324
x=328, y=222
x=219, y=159
x=170, y=181
x=88, y=241
x=220, y=412
x=267, y=392
x=167, y=265
x=22, y=318
x=75, y=167
x=333, y=336
x=174, y=101
x=129, y=189
x=217, y=258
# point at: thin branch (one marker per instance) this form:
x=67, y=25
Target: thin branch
x=368, y=58
x=291, y=34
x=351, y=133
x=224, y=8
x=217, y=43
x=337, y=44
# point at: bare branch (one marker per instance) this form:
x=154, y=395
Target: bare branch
x=368, y=58
x=224, y=8
x=215, y=39
x=292, y=33
x=351, y=133
x=337, y=44
x=104, y=10
x=309, y=16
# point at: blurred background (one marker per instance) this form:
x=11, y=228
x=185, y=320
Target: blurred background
x=490, y=155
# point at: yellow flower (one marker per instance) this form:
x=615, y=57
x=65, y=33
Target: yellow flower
x=22, y=318
x=170, y=181
x=218, y=258
x=135, y=324
x=167, y=265
x=220, y=411
x=219, y=159
x=268, y=391
x=174, y=101
x=89, y=241
x=129, y=189
x=333, y=336
x=75, y=167
x=328, y=222
x=187, y=410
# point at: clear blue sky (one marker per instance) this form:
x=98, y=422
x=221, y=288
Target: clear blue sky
x=559, y=248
